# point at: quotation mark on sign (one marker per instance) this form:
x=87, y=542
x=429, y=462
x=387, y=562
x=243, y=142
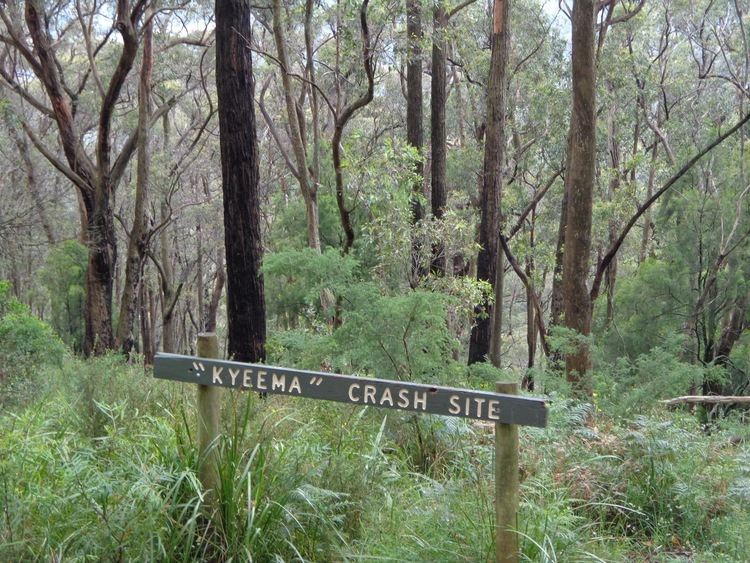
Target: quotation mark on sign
x=198, y=367
x=316, y=380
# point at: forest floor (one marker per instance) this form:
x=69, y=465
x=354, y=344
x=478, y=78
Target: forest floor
x=99, y=463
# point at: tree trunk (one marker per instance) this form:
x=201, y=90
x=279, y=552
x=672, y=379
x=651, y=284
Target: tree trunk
x=213, y=304
x=613, y=146
x=557, y=303
x=492, y=180
x=437, y=132
x=102, y=245
x=137, y=241
x=414, y=133
x=580, y=190
x=239, y=171
x=309, y=191
x=342, y=118
x=31, y=182
x=647, y=222
x=95, y=177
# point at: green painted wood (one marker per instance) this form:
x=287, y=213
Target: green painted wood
x=402, y=395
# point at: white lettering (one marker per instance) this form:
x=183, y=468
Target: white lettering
x=217, y=375
x=246, y=378
x=351, y=395
x=479, y=403
x=278, y=382
x=492, y=407
x=386, y=397
x=420, y=400
x=455, y=407
x=295, y=385
x=233, y=373
x=403, y=398
x=370, y=394
x=261, y=381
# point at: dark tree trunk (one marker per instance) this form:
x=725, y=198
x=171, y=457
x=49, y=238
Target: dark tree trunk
x=414, y=133
x=580, y=188
x=492, y=180
x=102, y=244
x=557, y=305
x=239, y=170
x=437, y=133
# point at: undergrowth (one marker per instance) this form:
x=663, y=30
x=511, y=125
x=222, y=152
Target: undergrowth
x=100, y=463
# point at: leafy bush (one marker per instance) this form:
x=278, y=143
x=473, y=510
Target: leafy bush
x=26, y=344
x=401, y=337
x=634, y=386
x=296, y=279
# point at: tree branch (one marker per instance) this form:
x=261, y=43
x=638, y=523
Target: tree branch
x=612, y=251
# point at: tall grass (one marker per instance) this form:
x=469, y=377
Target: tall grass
x=101, y=464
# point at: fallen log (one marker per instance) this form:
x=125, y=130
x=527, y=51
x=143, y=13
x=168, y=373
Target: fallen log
x=709, y=399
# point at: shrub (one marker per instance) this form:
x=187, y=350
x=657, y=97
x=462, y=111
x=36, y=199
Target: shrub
x=26, y=344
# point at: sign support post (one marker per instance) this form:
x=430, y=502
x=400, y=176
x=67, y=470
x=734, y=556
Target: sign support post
x=506, y=485
x=209, y=412
x=504, y=407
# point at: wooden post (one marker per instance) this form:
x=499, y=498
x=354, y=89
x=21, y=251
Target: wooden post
x=506, y=485
x=209, y=411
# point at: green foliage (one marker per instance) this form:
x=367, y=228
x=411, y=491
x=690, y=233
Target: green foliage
x=63, y=278
x=396, y=337
x=26, y=345
x=296, y=279
x=635, y=386
x=289, y=228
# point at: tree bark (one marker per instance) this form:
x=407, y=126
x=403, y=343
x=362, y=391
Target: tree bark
x=343, y=117
x=580, y=189
x=414, y=132
x=137, y=240
x=239, y=171
x=95, y=179
x=308, y=189
x=438, y=149
x=492, y=181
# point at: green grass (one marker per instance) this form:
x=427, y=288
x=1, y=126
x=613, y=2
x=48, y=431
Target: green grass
x=99, y=463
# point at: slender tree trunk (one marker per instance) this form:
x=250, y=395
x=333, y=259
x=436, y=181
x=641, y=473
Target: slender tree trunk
x=342, y=118
x=31, y=183
x=136, y=251
x=314, y=98
x=613, y=146
x=531, y=327
x=492, y=181
x=213, y=304
x=580, y=189
x=308, y=189
x=557, y=303
x=647, y=222
x=414, y=133
x=437, y=132
x=239, y=171
x=200, y=277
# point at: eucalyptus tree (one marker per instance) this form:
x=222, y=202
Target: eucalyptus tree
x=235, y=85
x=485, y=335
x=50, y=39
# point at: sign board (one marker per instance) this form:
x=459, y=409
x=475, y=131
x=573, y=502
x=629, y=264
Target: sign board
x=401, y=395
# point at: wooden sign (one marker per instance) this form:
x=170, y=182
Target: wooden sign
x=402, y=395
